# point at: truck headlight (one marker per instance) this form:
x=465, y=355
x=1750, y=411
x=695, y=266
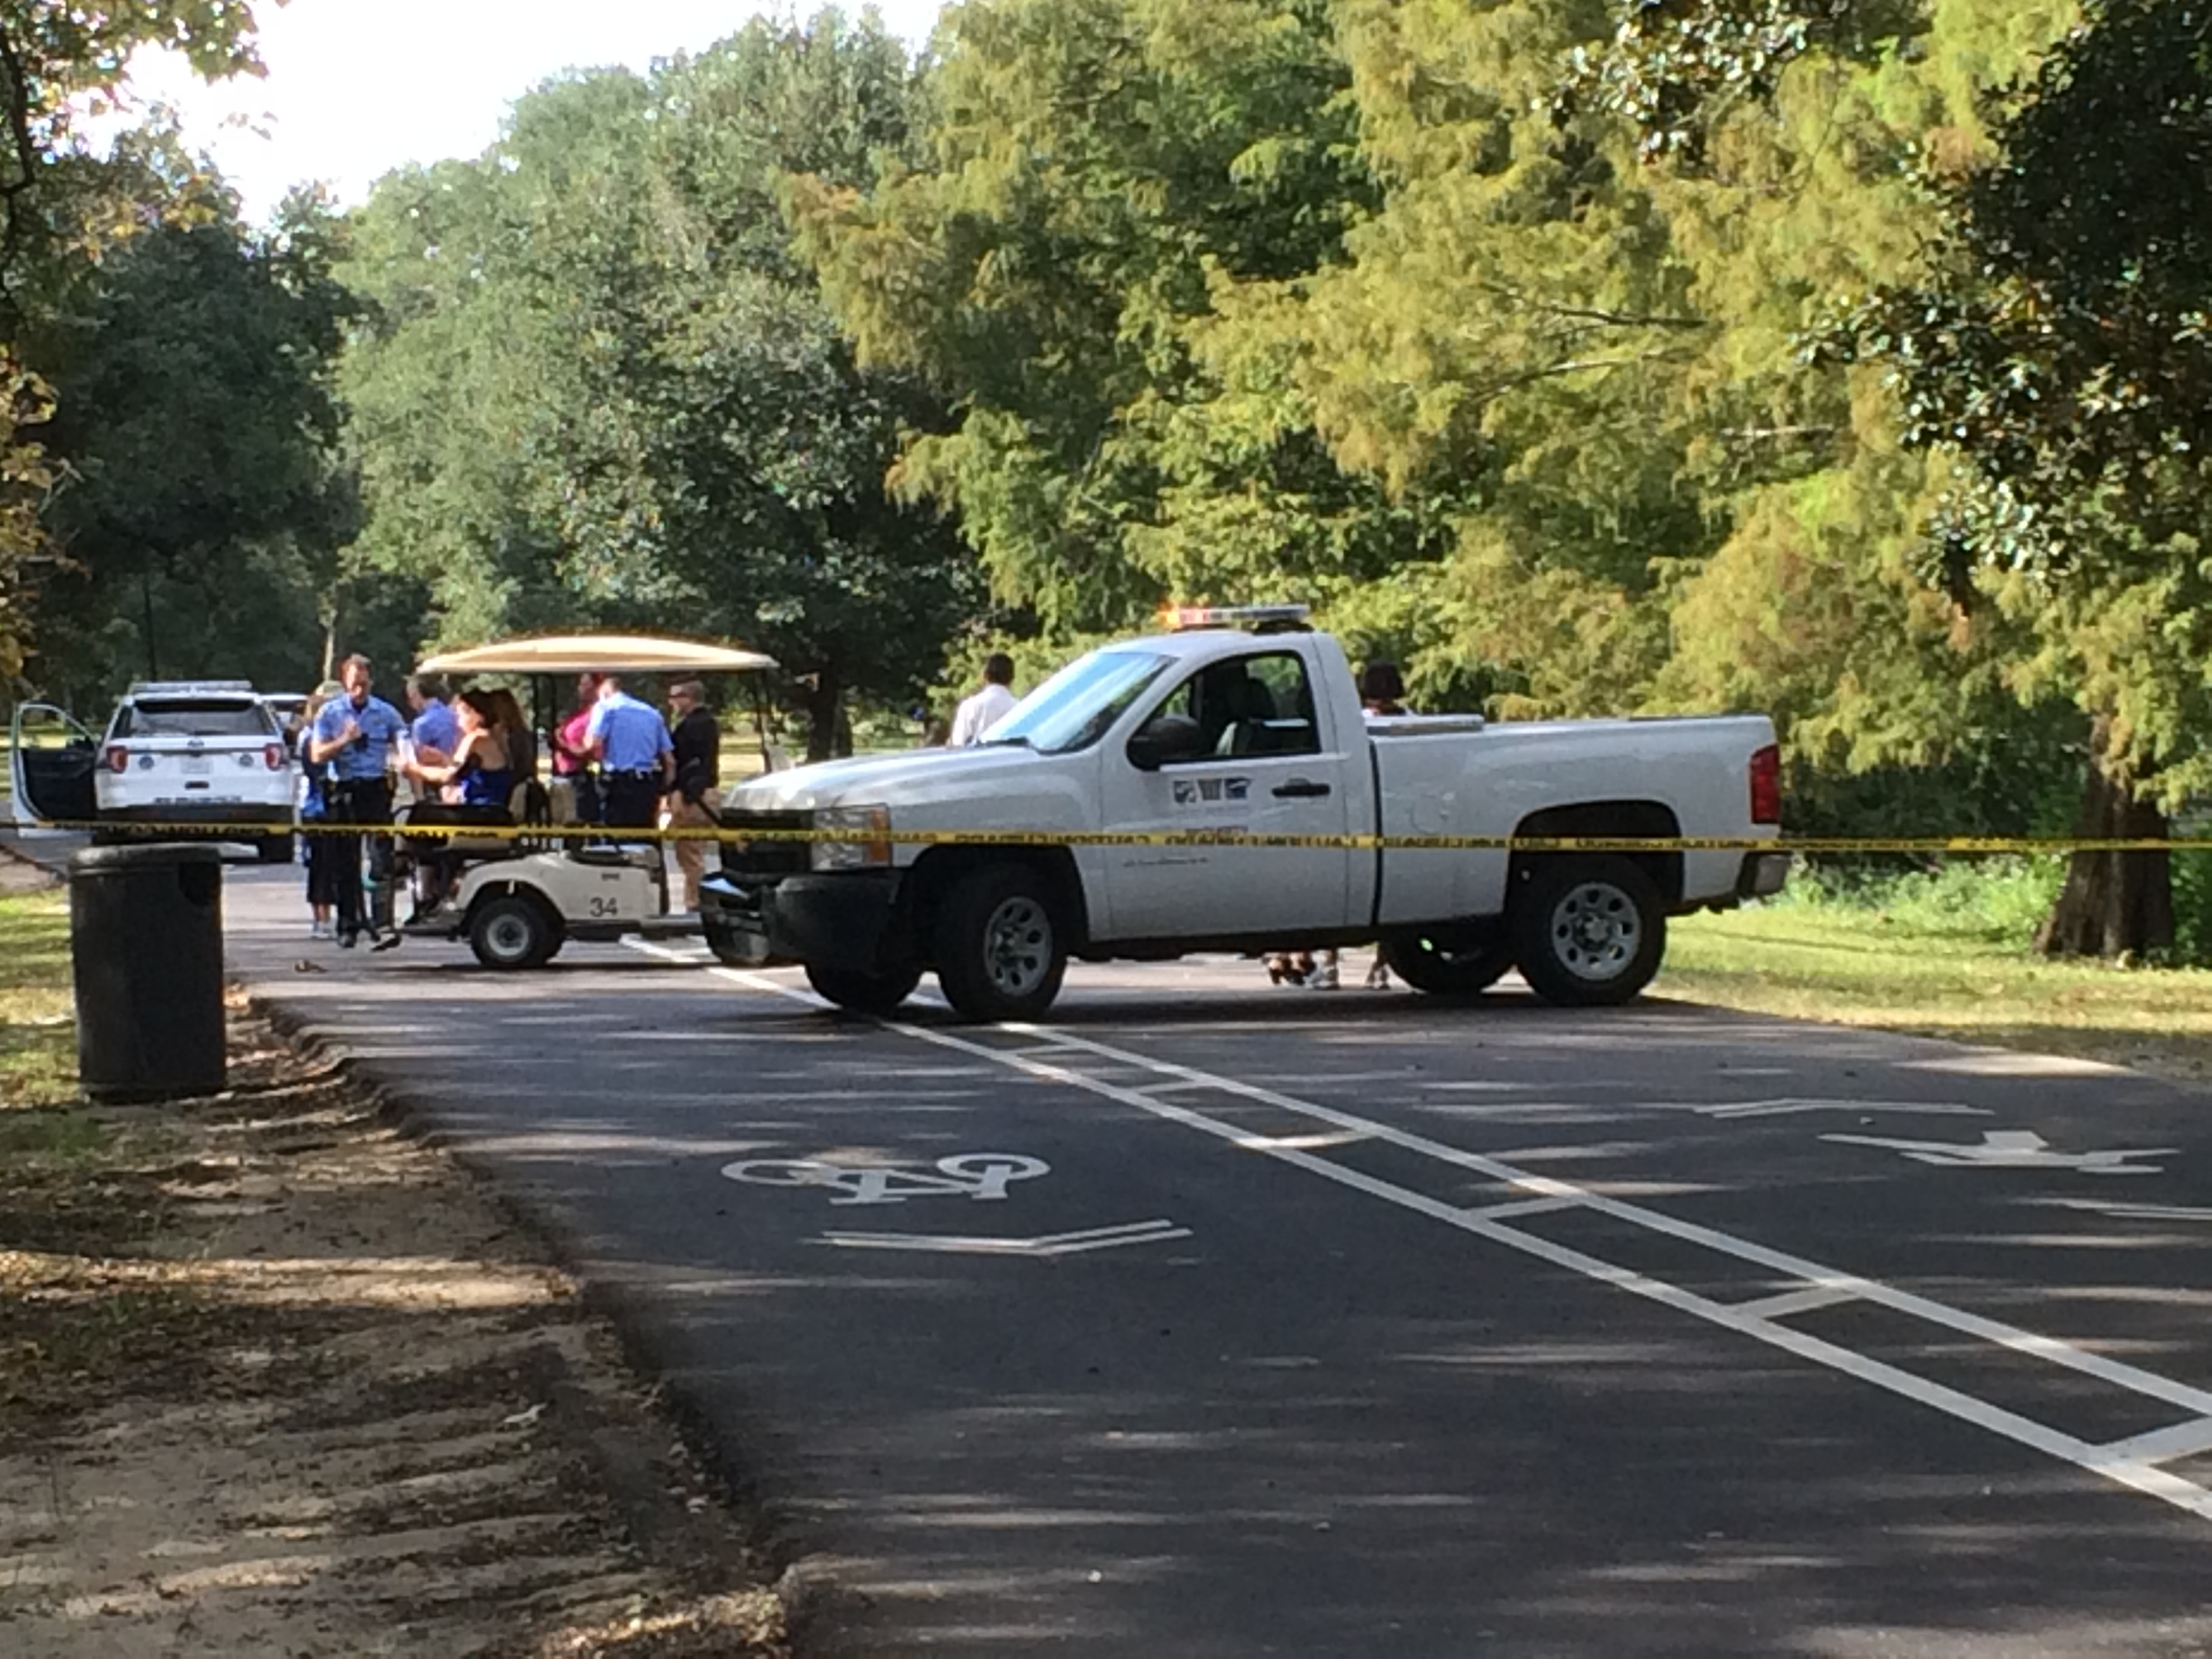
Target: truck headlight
x=870, y=847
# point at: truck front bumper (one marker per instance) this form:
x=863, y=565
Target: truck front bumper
x=847, y=919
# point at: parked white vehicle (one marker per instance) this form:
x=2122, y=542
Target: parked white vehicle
x=202, y=755
x=1212, y=729
x=206, y=753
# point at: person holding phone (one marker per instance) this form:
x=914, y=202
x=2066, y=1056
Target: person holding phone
x=355, y=735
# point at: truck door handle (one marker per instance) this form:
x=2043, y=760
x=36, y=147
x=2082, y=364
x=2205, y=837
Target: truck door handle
x=1300, y=789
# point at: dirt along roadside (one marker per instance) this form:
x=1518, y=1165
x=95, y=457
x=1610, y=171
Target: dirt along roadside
x=275, y=1379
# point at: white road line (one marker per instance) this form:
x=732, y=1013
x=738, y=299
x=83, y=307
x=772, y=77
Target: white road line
x=1795, y=1104
x=1303, y=1143
x=1786, y=1302
x=1523, y=1207
x=1051, y=1244
x=646, y=947
x=2137, y=1381
x=2138, y=1211
x=2164, y=1445
x=2113, y=1463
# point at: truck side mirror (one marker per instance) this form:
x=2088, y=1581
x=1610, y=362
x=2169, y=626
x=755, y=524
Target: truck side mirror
x=1164, y=739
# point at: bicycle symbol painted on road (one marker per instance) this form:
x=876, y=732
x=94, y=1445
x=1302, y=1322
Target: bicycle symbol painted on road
x=980, y=1176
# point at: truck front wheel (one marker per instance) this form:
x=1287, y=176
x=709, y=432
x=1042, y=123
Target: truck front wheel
x=1000, y=949
x=1458, y=968
x=1587, y=930
x=864, y=993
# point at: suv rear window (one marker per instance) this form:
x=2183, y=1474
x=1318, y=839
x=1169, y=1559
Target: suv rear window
x=194, y=718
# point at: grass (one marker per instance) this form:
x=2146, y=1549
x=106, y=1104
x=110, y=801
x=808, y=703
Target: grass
x=1946, y=955
x=37, y=1032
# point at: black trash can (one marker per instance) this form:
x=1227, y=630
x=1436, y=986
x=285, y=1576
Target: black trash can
x=146, y=941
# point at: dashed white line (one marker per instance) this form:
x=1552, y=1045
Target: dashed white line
x=1787, y=1303
x=1520, y=1206
x=2163, y=1445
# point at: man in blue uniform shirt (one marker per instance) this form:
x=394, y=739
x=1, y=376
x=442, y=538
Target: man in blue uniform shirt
x=355, y=735
x=436, y=732
x=636, y=757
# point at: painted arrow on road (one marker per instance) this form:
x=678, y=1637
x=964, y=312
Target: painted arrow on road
x=1094, y=1238
x=2014, y=1149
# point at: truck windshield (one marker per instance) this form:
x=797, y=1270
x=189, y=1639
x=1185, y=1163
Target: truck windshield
x=1076, y=706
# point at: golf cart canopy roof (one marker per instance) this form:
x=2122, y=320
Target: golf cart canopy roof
x=597, y=653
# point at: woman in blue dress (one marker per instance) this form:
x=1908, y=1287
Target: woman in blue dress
x=475, y=784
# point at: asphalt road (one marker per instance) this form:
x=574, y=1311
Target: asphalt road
x=1209, y=1319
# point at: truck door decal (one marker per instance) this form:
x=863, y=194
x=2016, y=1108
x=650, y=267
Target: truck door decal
x=1207, y=792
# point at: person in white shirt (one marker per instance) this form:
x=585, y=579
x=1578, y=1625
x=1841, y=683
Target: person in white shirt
x=979, y=714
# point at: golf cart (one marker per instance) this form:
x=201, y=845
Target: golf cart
x=519, y=898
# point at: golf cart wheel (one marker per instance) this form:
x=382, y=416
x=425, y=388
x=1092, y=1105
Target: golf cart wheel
x=512, y=931
x=1587, y=931
x=1001, y=949
x=1439, y=968
x=273, y=849
x=864, y=993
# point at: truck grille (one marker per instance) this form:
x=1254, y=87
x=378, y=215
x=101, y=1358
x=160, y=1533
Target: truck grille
x=757, y=859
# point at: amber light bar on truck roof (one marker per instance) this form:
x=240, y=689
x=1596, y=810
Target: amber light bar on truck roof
x=1178, y=618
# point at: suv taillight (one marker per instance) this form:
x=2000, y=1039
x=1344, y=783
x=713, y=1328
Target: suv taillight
x=272, y=755
x=116, y=758
x=1766, y=785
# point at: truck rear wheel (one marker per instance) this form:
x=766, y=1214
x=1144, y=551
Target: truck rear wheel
x=1587, y=930
x=1000, y=949
x=864, y=993
x=1441, y=968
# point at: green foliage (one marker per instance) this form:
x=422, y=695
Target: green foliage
x=1999, y=901
x=2192, y=908
x=1099, y=175
x=57, y=208
x=196, y=421
x=2059, y=341
x=596, y=387
x=1506, y=404
x=1673, y=70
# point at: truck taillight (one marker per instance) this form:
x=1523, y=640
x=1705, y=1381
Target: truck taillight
x=116, y=758
x=1766, y=785
x=272, y=756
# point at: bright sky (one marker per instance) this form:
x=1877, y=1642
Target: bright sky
x=357, y=87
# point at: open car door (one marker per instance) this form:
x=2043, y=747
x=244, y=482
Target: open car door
x=50, y=764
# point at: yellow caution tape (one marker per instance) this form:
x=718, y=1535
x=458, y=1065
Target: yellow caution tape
x=1933, y=845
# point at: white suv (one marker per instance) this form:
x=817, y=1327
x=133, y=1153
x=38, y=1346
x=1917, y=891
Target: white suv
x=201, y=752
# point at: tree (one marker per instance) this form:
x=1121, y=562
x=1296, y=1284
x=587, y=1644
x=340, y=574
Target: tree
x=1098, y=176
x=657, y=419
x=204, y=500
x=2060, y=343
x=58, y=206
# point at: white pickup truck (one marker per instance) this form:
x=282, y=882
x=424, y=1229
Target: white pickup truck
x=1211, y=729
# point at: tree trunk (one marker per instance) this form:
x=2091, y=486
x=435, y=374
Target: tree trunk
x=2113, y=903
x=825, y=705
x=146, y=605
